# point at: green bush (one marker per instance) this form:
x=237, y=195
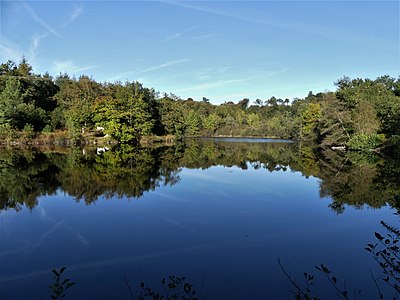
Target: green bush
x=7, y=132
x=28, y=132
x=28, y=128
x=47, y=129
x=365, y=141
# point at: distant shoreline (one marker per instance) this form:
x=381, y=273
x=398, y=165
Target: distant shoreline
x=62, y=139
x=234, y=138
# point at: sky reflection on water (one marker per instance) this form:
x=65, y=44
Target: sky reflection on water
x=224, y=228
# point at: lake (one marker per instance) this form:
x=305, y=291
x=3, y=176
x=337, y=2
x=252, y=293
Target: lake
x=220, y=212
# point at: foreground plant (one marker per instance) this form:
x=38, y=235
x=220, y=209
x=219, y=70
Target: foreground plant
x=386, y=253
x=173, y=289
x=60, y=286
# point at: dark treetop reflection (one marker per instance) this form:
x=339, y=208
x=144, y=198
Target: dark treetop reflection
x=354, y=178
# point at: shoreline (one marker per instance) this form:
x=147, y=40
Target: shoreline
x=61, y=139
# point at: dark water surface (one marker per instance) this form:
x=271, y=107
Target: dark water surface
x=219, y=212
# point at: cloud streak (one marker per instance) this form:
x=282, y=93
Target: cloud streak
x=224, y=14
x=307, y=28
x=204, y=36
x=178, y=34
x=10, y=50
x=120, y=76
x=69, y=67
x=213, y=84
x=78, y=10
x=164, y=65
x=228, y=82
x=125, y=75
x=38, y=19
x=35, y=44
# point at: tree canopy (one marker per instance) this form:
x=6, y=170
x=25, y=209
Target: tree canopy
x=360, y=114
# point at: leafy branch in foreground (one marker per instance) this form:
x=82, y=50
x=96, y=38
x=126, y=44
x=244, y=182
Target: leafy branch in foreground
x=341, y=293
x=300, y=293
x=386, y=252
x=59, y=287
x=305, y=293
x=174, y=288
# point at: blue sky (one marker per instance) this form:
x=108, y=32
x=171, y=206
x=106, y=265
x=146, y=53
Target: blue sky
x=223, y=50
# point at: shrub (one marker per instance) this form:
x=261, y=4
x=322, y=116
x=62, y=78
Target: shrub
x=7, y=132
x=28, y=132
x=28, y=128
x=47, y=129
x=365, y=141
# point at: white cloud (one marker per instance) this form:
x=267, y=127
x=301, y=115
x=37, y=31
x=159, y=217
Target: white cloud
x=178, y=34
x=35, y=44
x=35, y=41
x=308, y=28
x=164, y=65
x=69, y=67
x=210, y=73
x=9, y=50
x=38, y=19
x=125, y=75
x=121, y=76
x=213, y=84
x=78, y=10
x=204, y=36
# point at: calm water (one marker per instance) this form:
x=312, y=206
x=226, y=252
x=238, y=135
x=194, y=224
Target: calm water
x=219, y=212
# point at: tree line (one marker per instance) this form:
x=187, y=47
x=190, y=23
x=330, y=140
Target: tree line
x=360, y=114
x=353, y=178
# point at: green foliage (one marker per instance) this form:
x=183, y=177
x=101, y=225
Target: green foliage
x=28, y=128
x=211, y=124
x=380, y=93
x=24, y=69
x=335, y=125
x=11, y=102
x=75, y=99
x=365, y=119
x=28, y=131
x=172, y=117
x=365, y=141
x=47, y=129
x=73, y=129
x=354, y=178
x=192, y=123
x=25, y=98
x=310, y=117
x=8, y=68
x=7, y=132
x=125, y=119
x=129, y=110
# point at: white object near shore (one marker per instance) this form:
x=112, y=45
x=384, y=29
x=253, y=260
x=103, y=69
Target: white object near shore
x=101, y=150
x=341, y=148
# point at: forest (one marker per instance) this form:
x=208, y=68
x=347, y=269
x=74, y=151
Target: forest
x=361, y=114
x=349, y=179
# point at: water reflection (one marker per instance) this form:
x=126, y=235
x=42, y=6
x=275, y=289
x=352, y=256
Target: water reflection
x=221, y=212
x=354, y=179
